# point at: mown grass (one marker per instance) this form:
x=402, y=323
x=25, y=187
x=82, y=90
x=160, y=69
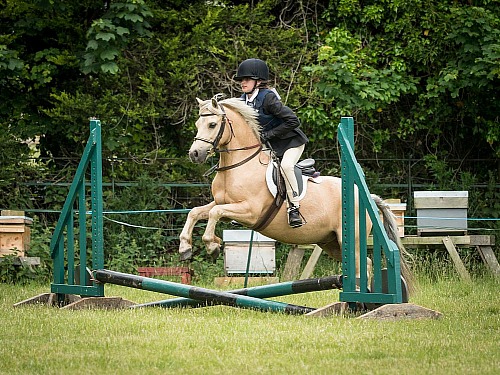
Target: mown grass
x=225, y=340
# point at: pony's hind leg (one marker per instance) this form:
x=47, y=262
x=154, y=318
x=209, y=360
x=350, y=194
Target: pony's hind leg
x=334, y=250
x=186, y=236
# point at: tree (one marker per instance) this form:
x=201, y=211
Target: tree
x=425, y=73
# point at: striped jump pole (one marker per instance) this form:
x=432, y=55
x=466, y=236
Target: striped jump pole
x=197, y=293
x=264, y=291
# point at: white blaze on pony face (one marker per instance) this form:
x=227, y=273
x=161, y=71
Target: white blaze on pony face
x=208, y=126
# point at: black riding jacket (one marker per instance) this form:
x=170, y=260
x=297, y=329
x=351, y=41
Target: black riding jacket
x=280, y=125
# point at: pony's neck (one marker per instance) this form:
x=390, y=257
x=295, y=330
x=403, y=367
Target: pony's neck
x=243, y=135
x=243, y=146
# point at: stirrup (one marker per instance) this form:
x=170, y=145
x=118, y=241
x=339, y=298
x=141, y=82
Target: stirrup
x=294, y=217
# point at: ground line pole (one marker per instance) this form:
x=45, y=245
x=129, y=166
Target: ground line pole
x=183, y=290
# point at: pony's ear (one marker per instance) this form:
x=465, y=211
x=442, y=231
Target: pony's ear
x=200, y=102
x=214, y=102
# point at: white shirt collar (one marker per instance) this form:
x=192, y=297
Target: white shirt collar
x=252, y=98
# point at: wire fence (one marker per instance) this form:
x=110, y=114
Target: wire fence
x=406, y=176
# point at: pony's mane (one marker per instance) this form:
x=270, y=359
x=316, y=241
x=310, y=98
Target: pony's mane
x=248, y=113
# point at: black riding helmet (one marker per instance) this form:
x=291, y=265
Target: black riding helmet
x=254, y=69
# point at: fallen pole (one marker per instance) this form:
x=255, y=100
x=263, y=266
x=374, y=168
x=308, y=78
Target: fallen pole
x=264, y=291
x=197, y=293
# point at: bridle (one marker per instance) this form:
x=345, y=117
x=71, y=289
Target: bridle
x=215, y=142
x=222, y=128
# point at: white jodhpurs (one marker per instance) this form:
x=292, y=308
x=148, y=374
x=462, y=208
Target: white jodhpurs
x=290, y=158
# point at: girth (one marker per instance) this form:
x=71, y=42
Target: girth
x=273, y=209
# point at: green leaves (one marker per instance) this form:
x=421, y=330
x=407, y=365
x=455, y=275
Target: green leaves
x=352, y=75
x=414, y=70
x=464, y=84
x=425, y=74
x=109, y=67
x=111, y=34
x=105, y=36
x=109, y=54
x=9, y=59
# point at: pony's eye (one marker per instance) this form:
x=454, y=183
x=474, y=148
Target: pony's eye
x=212, y=125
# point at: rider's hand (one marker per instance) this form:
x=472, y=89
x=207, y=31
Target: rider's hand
x=266, y=136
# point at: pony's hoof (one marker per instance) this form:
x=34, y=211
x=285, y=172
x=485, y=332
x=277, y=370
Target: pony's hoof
x=187, y=255
x=215, y=255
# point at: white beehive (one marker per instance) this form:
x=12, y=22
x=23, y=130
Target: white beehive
x=236, y=248
x=441, y=212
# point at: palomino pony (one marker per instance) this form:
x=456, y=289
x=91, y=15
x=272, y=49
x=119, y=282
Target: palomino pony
x=230, y=128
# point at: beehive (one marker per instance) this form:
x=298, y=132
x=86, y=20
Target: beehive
x=441, y=212
x=15, y=233
x=398, y=209
x=236, y=248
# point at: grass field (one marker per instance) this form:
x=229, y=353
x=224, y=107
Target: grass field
x=226, y=340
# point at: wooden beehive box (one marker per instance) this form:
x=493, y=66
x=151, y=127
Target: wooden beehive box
x=15, y=233
x=398, y=209
x=441, y=212
x=236, y=248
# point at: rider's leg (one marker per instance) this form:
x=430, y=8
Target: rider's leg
x=290, y=158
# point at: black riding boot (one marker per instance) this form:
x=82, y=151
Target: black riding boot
x=294, y=219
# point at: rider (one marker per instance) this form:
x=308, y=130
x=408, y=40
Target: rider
x=279, y=127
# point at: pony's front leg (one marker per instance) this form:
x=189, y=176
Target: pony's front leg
x=240, y=212
x=186, y=236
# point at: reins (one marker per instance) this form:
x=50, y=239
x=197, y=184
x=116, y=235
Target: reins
x=227, y=167
x=273, y=209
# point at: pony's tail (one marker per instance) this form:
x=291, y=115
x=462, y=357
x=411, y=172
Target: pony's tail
x=391, y=227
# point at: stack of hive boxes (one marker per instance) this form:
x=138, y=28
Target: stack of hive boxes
x=15, y=233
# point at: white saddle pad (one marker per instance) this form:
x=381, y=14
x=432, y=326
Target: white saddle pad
x=273, y=188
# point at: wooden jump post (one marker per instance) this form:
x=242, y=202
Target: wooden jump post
x=383, y=247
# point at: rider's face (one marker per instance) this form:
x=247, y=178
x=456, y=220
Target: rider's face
x=248, y=85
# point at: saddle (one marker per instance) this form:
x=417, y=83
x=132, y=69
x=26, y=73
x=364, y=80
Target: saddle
x=304, y=171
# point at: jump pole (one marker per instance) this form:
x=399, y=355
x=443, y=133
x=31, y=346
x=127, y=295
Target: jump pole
x=264, y=291
x=197, y=293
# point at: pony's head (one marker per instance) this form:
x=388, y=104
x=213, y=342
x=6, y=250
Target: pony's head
x=211, y=127
x=214, y=129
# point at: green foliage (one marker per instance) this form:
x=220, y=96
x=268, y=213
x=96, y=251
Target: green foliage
x=123, y=254
x=413, y=71
x=488, y=205
x=355, y=78
x=469, y=70
x=9, y=59
x=19, y=166
x=41, y=235
x=410, y=71
x=110, y=34
x=12, y=273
